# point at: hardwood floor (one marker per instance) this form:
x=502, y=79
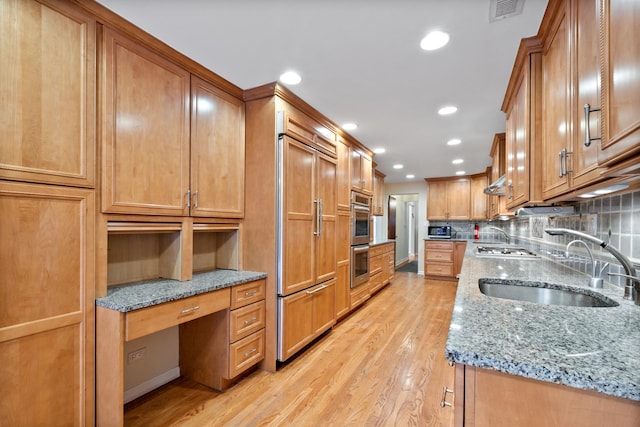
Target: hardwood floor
x=384, y=365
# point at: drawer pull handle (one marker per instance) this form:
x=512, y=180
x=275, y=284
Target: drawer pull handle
x=250, y=352
x=190, y=309
x=250, y=293
x=443, y=401
x=252, y=320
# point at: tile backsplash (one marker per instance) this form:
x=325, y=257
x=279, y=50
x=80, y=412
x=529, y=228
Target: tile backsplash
x=614, y=219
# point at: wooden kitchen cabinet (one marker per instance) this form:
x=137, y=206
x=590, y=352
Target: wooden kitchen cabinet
x=361, y=171
x=145, y=130
x=497, y=204
x=443, y=259
x=174, y=151
x=620, y=56
x=48, y=93
x=449, y=198
x=217, y=152
x=570, y=70
x=478, y=197
x=215, y=349
x=377, y=207
x=306, y=315
x=485, y=397
x=343, y=175
x=343, y=266
x=309, y=230
x=522, y=106
x=47, y=273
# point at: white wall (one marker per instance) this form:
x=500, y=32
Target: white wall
x=406, y=189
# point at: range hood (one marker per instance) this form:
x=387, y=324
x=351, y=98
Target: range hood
x=497, y=188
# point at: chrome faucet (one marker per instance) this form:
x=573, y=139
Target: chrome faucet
x=596, y=279
x=632, y=287
x=507, y=238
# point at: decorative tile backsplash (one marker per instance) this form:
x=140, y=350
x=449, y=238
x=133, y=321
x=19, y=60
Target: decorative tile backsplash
x=614, y=219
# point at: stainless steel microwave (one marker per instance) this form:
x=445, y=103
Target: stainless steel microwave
x=439, y=232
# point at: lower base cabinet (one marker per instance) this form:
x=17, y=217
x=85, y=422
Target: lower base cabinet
x=304, y=316
x=443, y=259
x=485, y=397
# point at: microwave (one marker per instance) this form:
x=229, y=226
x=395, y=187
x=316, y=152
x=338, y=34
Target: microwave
x=439, y=232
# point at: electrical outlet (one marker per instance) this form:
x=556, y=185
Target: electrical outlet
x=137, y=355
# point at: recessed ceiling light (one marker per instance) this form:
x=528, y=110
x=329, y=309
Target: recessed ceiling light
x=457, y=161
x=454, y=141
x=398, y=166
x=445, y=111
x=410, y=176
x=434, y=40
x=290, y=78
x=349, y=126
x=379, y=150
x=460, y=173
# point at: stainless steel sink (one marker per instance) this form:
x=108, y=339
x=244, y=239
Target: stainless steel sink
x=504, y=252
x=542, y=293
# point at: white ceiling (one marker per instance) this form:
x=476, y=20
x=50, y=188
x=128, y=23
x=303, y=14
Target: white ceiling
x=361, y=62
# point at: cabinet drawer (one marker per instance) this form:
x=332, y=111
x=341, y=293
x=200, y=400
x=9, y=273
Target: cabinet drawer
x=438, y=246
x=376, y=250
x=359, y=295
x=438, y=269
x=246, y=320
x=247, y=293
x=246, y=353
x=155, y=318
x=439, y=256
x=375, y=265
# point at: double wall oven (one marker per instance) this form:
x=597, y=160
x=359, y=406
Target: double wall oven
x=360, y=237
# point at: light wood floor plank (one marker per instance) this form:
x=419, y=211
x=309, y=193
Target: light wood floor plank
x=382, y=366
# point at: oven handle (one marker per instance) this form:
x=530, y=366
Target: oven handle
x=357, y=207
x=360, y=249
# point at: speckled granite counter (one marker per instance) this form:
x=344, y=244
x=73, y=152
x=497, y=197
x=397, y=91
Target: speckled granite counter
x=587, y=348
x=134, y=296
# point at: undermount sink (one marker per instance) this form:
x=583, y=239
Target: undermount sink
x=542, y=293
x=504, y=252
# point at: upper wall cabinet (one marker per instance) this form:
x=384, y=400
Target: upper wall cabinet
x=217, y=152
x=522, y=106
x=343, y=176
x=145, y=132
x=361, y=172
x=620, y=79
x=48, y=93
x=449, y=198
x=173, y=144
x=377, y=207
x=570, y=69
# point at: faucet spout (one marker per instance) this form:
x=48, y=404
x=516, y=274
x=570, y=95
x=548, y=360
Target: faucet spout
x=596, y=281
x=632, y=288
x=507, y=238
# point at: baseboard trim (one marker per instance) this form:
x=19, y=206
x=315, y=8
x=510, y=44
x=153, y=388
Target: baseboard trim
x=152, y=384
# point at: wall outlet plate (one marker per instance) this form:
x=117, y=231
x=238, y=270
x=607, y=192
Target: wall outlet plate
x=136, y=355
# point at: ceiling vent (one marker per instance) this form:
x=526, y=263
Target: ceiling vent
x=501, y=9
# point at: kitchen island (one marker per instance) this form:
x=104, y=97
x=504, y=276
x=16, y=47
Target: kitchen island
x=595, y=349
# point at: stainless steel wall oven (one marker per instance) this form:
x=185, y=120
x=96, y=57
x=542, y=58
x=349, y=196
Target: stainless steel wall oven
x=360, y=237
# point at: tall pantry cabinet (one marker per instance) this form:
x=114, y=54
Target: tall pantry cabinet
x=47, y=174
x=291, y=210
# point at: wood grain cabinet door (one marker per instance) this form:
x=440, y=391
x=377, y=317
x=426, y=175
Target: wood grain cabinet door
x=47, y=119
x=217, y=152
x=620, y=78
x=326, y=238
x=46, y=305
x=145, y=130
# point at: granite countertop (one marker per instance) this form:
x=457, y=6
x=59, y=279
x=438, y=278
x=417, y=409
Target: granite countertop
x=381, y=242
x=134, y=296
x=592, y=348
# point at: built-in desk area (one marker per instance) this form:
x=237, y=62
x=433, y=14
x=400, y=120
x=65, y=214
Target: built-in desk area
x=221, y=315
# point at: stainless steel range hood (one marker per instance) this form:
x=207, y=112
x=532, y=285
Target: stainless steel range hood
x=497, y=188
